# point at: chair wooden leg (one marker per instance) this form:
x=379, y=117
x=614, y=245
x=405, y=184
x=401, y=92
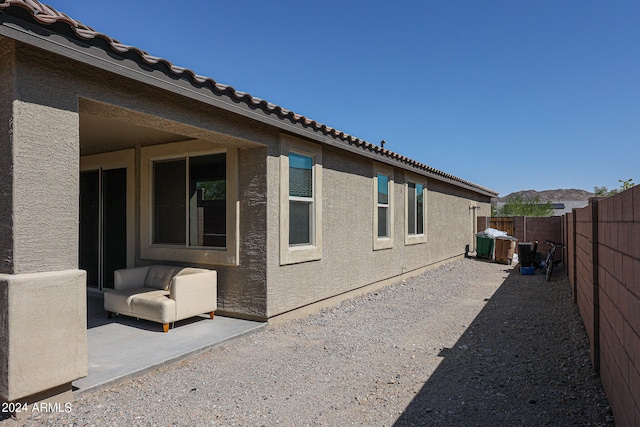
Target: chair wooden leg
x=211, y=314
x=165, y=327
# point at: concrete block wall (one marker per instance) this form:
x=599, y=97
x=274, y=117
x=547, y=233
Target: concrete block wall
x=619, y=259
x=530, y=229
x=607, y=241
x=585, y=295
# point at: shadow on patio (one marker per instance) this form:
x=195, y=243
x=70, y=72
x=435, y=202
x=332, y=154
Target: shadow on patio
x=123, y=347
x=523, y=361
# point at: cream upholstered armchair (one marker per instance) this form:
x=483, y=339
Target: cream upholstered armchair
x=163, y=294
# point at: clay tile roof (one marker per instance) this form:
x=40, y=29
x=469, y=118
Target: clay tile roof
x=46, y=16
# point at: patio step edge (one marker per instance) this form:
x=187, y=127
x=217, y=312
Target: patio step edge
x=78, y=392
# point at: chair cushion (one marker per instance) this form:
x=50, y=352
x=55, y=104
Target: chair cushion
x=191, y=270
x=159, y=276
x=155, y=306
x=145, y=303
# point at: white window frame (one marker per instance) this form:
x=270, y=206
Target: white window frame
x=193, y=254
x=293, y=254
x=413, y=239
x=306, y=200
x=383, y=242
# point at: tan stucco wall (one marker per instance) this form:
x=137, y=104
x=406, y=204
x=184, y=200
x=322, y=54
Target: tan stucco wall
x=348, y=259
x=7, y=88
x=43, y=300
x=450, y=222
x=43, y=337
x=242, y=289
x=46, y=183
x=43, y=160
x=46, y=79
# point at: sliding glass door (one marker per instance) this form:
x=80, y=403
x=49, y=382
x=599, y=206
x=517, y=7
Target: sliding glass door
x=103, y=224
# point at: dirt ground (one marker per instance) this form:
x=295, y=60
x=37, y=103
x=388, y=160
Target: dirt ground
x=523, y=360
x=470, y=343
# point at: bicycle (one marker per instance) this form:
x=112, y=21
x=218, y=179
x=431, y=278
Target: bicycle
x=549, y=260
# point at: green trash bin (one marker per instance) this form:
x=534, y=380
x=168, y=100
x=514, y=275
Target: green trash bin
x=484, y=246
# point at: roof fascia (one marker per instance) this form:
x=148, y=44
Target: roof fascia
x=84, y=52
x=392, y=162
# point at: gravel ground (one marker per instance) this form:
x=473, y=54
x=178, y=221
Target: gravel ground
x=469, y=343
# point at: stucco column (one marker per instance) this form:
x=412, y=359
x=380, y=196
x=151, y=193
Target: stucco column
x=43, y=339
x=7, y=89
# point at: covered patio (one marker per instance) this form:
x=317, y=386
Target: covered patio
x=123, y=347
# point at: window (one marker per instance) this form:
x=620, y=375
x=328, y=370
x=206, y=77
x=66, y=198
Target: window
x=415, y=213
x=188, y=198
x=189, y=208
x=382, y=207
x=300, y=201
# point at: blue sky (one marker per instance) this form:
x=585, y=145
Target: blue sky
x=511, y=95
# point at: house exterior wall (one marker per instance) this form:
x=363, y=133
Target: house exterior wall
x=450, y=220
x=7, y=89
x=348, y=259
x=241, y=288
x=85, y=89
x=37, y=199
x=42, y=303
x=45, y=192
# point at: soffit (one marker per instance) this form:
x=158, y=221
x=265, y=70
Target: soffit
x=98, y=133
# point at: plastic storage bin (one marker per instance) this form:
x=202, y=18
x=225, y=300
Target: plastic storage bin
x=484, y=247
x=527, y=271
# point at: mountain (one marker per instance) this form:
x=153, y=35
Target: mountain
x=551, y=195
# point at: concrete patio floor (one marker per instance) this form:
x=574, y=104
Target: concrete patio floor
x=122, y=347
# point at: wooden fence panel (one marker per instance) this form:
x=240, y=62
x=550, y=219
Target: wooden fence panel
x=503, y=224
